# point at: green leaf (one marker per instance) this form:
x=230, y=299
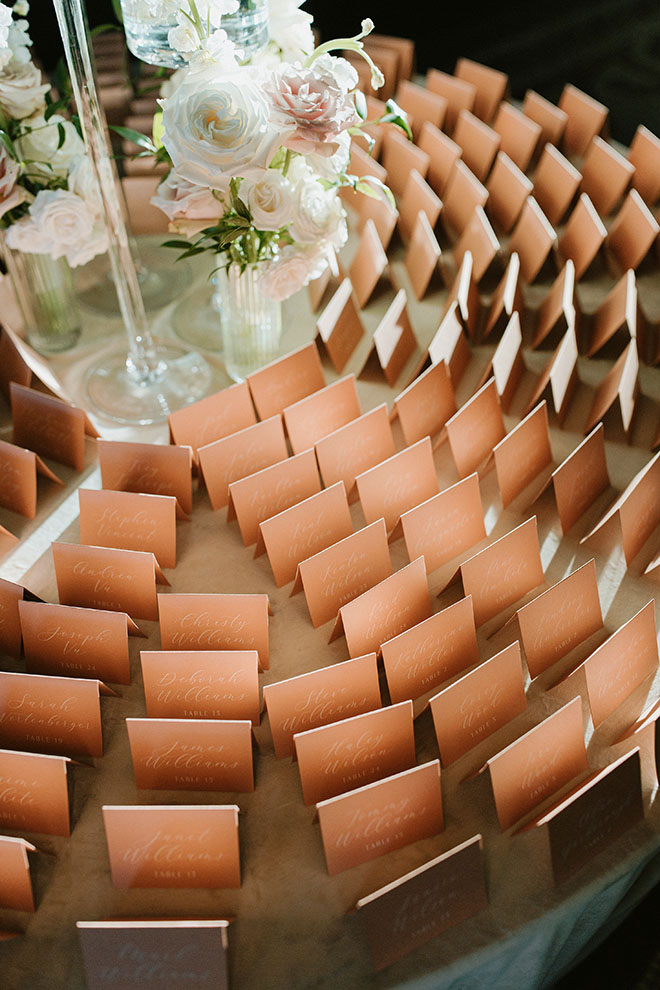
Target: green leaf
x=395, y=115
x=361, y=104
x=61, y=136
x=370, y=186
x=181, y=245
x=116, y=6
x=241, y=209
x=129, y=134
x=8, y=144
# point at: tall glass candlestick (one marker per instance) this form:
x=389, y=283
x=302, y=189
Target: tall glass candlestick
x=148, y=381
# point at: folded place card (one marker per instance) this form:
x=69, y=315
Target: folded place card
x=398, y=484
x=11, y=595
x=377, y=818
x=538, y=764
x=618, y=391
x=422, y=104
x=286, y=380
x=519, y=134
x=339, y=326
x=478, y=704
x=431, y=652
x=205, y=684
x=449, y=344
x=369, y=264
x=533, y=238
x=173, y=846
x=480, y=240
x=423, y=255
x=130, y=521
x=459, y=94
x=478, y=142
x=7, y=541
x=560, y=377
x=618, y=311
x=560, y=619
x=556, y=182
x=550, y=118
x=13, y=366
x=57, y=715
x=48, y=426
x=463, y=193
x=632, y=233
x=398, y=157
x=524, y=455
x=271, y=490
x=508, y=189
x=213, y=418
x=507, y=365
x=418, y=197
x=419, y=906
x=154, y=469
x=380, y=211
x=585, y=117
x=394, y=339
x=19, y=469
x=505, y=571
x=644, y=156
x=114, y=580
x=622, y=663
x=583, y=236
x=191, y=754
x=425, y=406
x=343, y=571
x=558, y=311
x=215, y=622
x=507, y=300
x=464, y=291
x=337, y=758
x=365, y=163
x=240, y=455
x=355, y=448
x=16, y=891
x=581, y=478
x=321, y=697
x=491, y=86
x=387, y=609
x=475, y=429
x=606, y=176
x=446, y=524
x=76, y=642
x=34, y=794
x=328, y=280
x=443, y=153
x=152, y=953
x=321, y=413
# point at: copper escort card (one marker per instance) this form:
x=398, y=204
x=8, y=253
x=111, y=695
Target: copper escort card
x=240, y=455
x=339, y=326
x=173, y=846
x=214, y=684
x=423, y=256
x=117, y=580
x=11, y=595
x=398, y=484
x=581, y=478
x=560, y=376
x=152, y=468
x=336, y=758
x=380, y=817
x=560, y=619
x=425, y=406
x=387, y=609
x=152, y=954
x=319, y=698
x=355, y=448
x=446, y=524
x=538, y=764
x=34, y=795
x=188, y=754
x=369, y=264
x=618, y=311
x=130, y=521
x=213, y=418
x=505, y=571
x=558, y=310
x=13, y=366
x=19, y=469
x=507, y=300
x=314, y=417
x=16, y=891
x=619, y=389
x=286, y=380
x=49, y=426
x=417, y=907
x=507, y=365
x=78, y=642
x=508, y=191
x=215, y=622
x=443, y=154
x=341, y=572
x=524, y=455
x=583, y=236
x=450, y=345
x=394, y=339
x=478, y=704
x=419, y=659
x=475, y=429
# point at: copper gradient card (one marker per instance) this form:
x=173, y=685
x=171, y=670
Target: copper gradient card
x=286, y=380
x=213, y=418
x=155, y=469
x=369, y=264
x=240, y=455
x=394, y=339
x=507, y=365
x=34, y=795
x=475, y=429
x=49, y=426
x=523, y=455
x=558, y=310
x=11, y=595
x=215, y=622
x=560, y=376
x=446, y=524
x=507, y=300
x=398, y=484
x=339, y=326
x=449, y=344
x=173, y=846
x=355, y=448
x=321, y=413
x=130, y=521
x=581, y=478
x=19, y=469
x=425, y=406
x=508, y=189
x=16, y=891
x=213, y=684
x=423, y=256
x=619, y=390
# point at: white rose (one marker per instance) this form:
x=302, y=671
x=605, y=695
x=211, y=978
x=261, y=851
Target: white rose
x=5, y=23
x=290, y=28
x=82, y=182
x=63, y=219
x=171, y=83
x=318, y=213
x=270, y=200
x=291, y=271
x=26, y=236
x=336, y=164
x=41, y=145
x=84, y=251
x=20, y=42
x=22, y=91
x=177, y=197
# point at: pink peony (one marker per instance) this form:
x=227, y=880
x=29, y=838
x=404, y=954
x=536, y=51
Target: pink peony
x=179, y=198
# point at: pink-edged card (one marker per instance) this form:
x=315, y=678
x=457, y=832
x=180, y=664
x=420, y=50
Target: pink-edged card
x=398, y=484
x=464, y=291
x=618, y=391
x=191, y=754
x=508, y=189
x=355, y=448
x=369, y=264
x=506, y=300
x=321, y=697
x=7, y=541
x=16, y=891
x=321, y=413
x=475, y=429
x=213, y=418
x=215, y=622
x=419, y=906
x=524, y=456
x=108, y=579
x=507, y=365
x=478, y=704
x=446, y=524
x=380, y=211
x=286, y=380
x=339, y=326
x=19, y=469
x=48, y=426
x=173, y=846
x=34, y=796
x=154, y=469
x=394, y=340
x=425, y=406
x=13, y=366
x=130, y=521
x=559, y=377
x=429, y=653
x=11, y=596
x=241, y=454
x=581, y=478
x=558, y=311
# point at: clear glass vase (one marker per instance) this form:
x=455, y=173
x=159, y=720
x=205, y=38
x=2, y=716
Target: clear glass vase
x=46, y=296
x=251, y=322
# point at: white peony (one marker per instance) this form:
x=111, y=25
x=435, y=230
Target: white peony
x=291, y=270
x=171, y=83
x=83, y=183
x=41, y=145
x=318, y=214
x=24, y=235
x=179, y=198
x=22, y=92
x=290, y=29
x=20, y=42
x=64, y=220
x=5, y=24
x=270, y=200
x=335, y=165
x=96, y=243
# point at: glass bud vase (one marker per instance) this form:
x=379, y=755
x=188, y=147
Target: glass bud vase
x=46, y=296
x=251, y=322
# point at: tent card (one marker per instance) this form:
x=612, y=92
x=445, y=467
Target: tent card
x=380, y=817
x=621, y=386
x=303, y=530
x=173, y=846
x=523, y=455
x=154, y=954
x=431, y=652
x=187, y=754
x=215, y=622
x=321, y=413
x=16, y=891
x=450, y=345
x=78, y=642
x=507, y=299
x=410, y=911
x=417, y=197
x=49, y=426
x=507, y=364
x=478, y=704
x=130, y=521
x=211, y=684
x=560, y=375
x=271, y=490
x=339, y=326
x=616, y=312
x=150, y=468
x=398, y=484
x=508, y=189
x=343, y=571
x=355, y=448
x=505, y=571
x=319, y=698
x=240, y=455
x=446, y=524
x=387, y=609
x=34, y=796
x=336, y=758
x=538, y=764
x=532, y=239
x=286, y=380
x=19, y=469
x=369, y=264
x=58, y=715
x=394, y=340
x=118, y=580
x=581, y=478
x=11, y=595
x=560, y=619
x=425, y=406
x=13, y=367
x=621, y=664
x=583, y=236
x=213, y=418
x=423, y=256
x=558, y=310
x=7, y=541
x=475, y=429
